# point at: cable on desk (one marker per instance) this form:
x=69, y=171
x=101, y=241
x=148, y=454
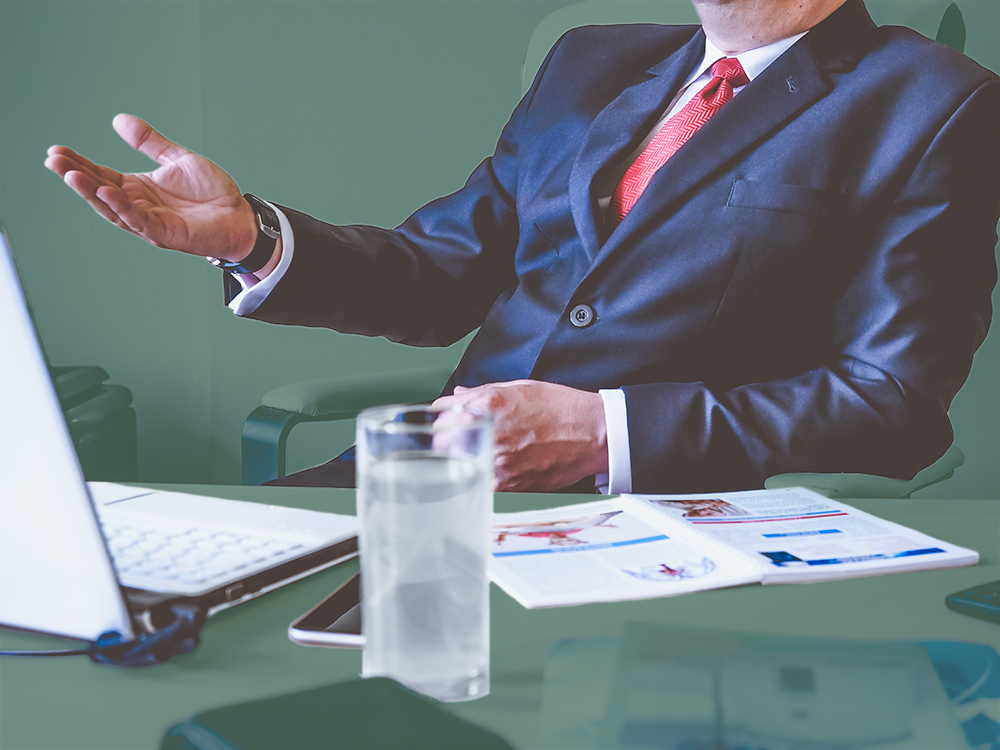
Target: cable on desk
x=179, y=636
x=55, y=652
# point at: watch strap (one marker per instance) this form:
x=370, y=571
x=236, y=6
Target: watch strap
x=268, y=232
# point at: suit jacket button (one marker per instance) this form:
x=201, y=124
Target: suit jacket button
x=581, y=316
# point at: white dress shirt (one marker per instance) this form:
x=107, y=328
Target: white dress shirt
x=619, y=476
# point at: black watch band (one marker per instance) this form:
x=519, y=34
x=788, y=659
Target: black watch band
x=268, y=232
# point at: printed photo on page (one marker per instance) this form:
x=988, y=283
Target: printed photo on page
x=803, y=536
x=603, y=552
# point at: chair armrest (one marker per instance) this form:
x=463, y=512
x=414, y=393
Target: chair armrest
x=76, y=384
x=343, y=398
x=84, y=420
x=868, y=485
x=265, y=432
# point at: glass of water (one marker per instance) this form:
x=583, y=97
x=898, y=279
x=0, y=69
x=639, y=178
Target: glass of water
x=425, y=504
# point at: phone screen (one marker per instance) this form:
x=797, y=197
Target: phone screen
x=335, y=622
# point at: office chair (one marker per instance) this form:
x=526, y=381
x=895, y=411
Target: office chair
x=266, y=430
x=101, y=421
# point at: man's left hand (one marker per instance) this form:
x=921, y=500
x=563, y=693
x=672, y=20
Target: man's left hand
x=548, y=436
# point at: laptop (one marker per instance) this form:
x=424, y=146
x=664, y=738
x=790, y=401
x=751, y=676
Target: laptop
x=82, y=560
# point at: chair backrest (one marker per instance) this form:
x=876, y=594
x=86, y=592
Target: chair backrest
x=950, y=30
x=597, y=13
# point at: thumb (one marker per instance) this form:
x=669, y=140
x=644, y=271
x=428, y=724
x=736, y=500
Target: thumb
x=143, y=138
x=461, y=388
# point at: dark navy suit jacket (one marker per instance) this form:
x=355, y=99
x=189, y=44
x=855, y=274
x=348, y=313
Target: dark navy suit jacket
x=800, y=288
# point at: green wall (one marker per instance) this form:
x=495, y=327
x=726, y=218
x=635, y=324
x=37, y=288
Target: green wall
x=357, y=111
x=354, y=111
x=100, y=296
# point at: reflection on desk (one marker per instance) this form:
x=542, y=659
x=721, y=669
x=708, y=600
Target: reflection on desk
x=674, y=688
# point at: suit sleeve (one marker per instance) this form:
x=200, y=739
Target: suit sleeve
x=904, y=334
x=430, y=281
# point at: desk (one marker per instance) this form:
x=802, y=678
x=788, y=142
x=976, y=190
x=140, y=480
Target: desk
x=245, y=654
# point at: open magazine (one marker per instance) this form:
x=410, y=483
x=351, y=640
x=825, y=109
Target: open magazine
x=645, y=546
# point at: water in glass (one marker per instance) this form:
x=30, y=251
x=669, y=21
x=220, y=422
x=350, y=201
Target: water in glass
x=424, y=551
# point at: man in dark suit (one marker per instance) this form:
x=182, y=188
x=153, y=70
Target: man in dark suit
x=799, y=287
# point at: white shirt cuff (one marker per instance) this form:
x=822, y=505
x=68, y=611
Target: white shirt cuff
x=619, y=476
x=254, y=292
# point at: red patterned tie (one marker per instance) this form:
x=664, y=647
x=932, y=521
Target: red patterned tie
x=727, y=74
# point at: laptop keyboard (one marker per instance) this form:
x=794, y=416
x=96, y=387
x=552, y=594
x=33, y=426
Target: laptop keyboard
x=162, y=558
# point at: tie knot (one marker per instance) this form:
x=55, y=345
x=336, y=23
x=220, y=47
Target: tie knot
x=729, y=69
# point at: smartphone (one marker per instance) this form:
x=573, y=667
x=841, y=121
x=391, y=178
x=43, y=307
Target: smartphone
x=981, y=601
x=334, y=622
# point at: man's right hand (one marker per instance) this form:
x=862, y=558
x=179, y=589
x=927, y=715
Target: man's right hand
x=188, y=204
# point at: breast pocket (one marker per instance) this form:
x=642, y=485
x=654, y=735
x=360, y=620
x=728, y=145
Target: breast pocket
x=789, y=243
x=792, y=199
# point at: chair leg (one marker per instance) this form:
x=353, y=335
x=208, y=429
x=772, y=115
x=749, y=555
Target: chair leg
x=265, y=434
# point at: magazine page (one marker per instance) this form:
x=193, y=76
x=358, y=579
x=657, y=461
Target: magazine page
x=802, y=536
x=603, y=552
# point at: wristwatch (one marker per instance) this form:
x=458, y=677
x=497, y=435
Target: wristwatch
x=268, y=232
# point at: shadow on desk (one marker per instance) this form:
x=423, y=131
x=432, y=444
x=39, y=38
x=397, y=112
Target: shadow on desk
x=374, y=714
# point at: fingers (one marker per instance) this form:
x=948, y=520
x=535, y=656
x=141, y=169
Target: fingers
x=112, y=203
x=84, y=177
x=86, y=188
x=141, y=136
x=508, y=468
x=135, y=132
x=485, y=398
x=62, y=160
x=86, y=180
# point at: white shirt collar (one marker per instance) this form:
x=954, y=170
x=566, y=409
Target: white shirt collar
x=753, y=61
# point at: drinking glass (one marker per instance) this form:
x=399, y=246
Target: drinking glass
x=425, y=503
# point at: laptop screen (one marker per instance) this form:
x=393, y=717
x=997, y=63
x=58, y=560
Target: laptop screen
x=55, y=572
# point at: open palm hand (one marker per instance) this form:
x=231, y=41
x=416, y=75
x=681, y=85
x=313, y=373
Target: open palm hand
x=187, y=204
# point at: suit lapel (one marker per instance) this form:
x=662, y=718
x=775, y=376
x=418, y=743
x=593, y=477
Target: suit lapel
x=617, y=129
x=786, y=87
